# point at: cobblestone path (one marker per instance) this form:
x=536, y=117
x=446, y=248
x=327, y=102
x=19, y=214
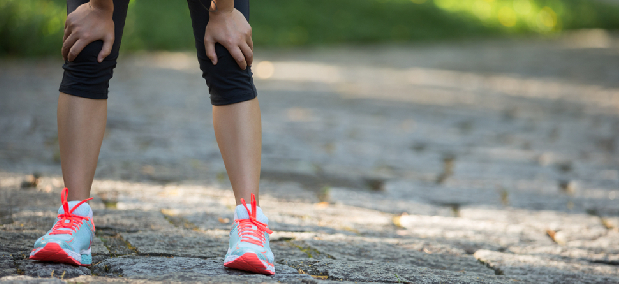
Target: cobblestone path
x=469, y=162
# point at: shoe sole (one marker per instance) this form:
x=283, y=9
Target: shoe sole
x=54, y=253
x=249, y=262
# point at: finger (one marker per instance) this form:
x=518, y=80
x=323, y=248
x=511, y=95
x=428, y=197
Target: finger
x=67, y=32
x=250, y=42
x=248, y=54
x=107, y=48
x=76, y=49
x=209, y=45
x=64, y=39
x=67, y=28
x=238, y=56
x=67, y=44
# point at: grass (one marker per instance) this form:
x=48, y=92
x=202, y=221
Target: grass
x=35, y=27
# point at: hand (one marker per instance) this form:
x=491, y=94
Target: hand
x=85, y=25
x=230, y=29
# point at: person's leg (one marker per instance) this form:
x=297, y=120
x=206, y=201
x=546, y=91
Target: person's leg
x=81, y=125
x=236, y=113
x=236, y=119
x=82, y=115
x=238, y=131
x=82, y=106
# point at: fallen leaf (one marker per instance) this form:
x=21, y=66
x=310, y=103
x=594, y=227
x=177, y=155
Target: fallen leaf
x=322, y=204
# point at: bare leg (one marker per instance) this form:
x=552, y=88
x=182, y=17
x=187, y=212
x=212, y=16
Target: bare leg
x=238, y=130
x=81, y=125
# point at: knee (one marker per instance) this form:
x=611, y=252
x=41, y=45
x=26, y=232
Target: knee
x=227, y=82
x=85, y=76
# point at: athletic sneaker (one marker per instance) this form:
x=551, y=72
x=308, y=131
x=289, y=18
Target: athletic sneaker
x=249, y=241
x=70, y=239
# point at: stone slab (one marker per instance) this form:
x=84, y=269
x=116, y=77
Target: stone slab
x=567, y=226
x=19, y=242
x=24, y=279
x=7, y=265
x=27, y=220
x=569, y=253
x=179, y=243
x=177, y=268
x=332, y=218
x=372, y=270
x=607, y=242
x=287, y=250
x=49, y=269
x=541, y=269
x=130, y=220
x=387, y=252
x=98, y=248
x=492, y=235
x=386, y=202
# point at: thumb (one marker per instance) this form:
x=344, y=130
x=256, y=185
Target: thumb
x=210, y=51
x=106, y=50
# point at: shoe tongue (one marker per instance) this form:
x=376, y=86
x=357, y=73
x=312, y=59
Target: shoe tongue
x=241, y=213
x=84, y=209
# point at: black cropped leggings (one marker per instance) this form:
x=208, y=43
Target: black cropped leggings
x=228, y=84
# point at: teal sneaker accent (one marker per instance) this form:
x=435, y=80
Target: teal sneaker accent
x=70, y=239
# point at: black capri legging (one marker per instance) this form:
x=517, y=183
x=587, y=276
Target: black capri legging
x=228, y=84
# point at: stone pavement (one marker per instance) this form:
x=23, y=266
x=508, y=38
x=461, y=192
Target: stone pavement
x=463, y=162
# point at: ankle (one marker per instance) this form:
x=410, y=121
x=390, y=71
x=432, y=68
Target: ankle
x=83, y=210
x=241, y=213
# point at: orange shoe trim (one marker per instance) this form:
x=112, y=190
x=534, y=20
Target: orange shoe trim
x=249, y=262
x=54, y=253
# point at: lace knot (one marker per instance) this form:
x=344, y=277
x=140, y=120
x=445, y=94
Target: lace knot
x=67, y=221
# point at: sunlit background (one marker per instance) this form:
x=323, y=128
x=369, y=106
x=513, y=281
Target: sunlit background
x=35, y=27
x=471, y=136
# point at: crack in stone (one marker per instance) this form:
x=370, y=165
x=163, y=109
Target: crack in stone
x=315, y=276
x=168, y=255
x=608, y=262
x=497, y=271
x=399, y=280
x=504, y=193
x=448, y=166
x=607, y=225
x=320, y=181
x=282, y=239
x=308, y=250
x=454, y=206
x=113, y=230
x=109, y=200
x=116, y=244
x=6, y=215
x=314, y=180
x=307, y=267
x=16, y=264
x=179, y=221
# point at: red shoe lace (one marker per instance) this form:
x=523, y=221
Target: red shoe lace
x=251, y=227
x=74, y=221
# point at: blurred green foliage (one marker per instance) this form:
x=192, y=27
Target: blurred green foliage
x=35, y=27
x=31, y=27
